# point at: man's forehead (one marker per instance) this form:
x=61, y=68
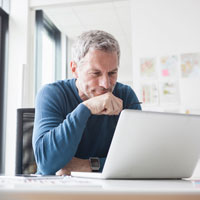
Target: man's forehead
x=102, y=69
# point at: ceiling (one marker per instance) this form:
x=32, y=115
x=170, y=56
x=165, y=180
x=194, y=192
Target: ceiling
x=113, y=16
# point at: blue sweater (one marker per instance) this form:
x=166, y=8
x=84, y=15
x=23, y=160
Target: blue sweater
x=64, y=127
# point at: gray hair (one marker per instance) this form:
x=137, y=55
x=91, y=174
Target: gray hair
x=95, y=39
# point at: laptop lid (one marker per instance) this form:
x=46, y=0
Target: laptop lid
x=153, y=145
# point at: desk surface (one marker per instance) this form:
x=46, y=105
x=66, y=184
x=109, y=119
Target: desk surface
x=77, y=188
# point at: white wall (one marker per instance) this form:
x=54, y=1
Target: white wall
x=167, y=27
x=162, y=28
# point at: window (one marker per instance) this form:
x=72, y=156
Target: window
x=48, y=51
x=3, y=64
x=48, y=60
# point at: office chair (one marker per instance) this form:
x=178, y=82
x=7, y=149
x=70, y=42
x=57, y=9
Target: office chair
x=25, y=161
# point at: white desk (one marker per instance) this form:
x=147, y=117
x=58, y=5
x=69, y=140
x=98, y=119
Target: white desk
x=89, y=189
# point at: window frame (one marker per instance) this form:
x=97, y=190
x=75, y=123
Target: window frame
x=3, y=83
x=44, y=23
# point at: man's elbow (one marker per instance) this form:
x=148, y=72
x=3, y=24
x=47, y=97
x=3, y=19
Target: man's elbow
x=45, y=165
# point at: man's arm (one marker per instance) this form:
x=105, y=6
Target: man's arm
x=106, y=104
x=55, y=141
x=56, y=137
x=76, y=164
x=80, y=165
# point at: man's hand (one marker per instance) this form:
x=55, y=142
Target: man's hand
x=76, y=164
x=105, y=104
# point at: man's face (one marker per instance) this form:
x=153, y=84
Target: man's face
x=97, y=74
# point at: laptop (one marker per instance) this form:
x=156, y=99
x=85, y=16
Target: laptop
x=151, y=145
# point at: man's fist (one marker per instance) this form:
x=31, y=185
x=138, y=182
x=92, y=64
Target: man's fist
x=105, y=104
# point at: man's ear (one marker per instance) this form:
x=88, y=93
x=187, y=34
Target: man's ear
x=74, y=66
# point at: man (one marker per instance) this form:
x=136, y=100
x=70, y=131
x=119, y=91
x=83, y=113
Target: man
x=75, y=119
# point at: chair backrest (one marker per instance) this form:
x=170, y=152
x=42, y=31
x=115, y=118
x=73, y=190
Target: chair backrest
x=25, y=161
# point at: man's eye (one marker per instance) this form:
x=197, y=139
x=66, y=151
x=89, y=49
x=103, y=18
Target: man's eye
x=112, y=73
x=95, y=74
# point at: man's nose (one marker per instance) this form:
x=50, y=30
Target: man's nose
x=105, y=82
